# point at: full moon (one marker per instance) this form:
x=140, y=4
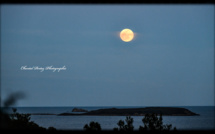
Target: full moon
x=126, y=35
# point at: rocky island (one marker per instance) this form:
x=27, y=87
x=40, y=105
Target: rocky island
x=167, y=111
x=79, y=110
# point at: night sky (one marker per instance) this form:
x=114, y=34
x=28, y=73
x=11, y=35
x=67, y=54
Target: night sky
x=170, y=61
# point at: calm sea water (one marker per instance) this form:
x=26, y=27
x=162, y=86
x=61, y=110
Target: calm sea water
x=206, y=120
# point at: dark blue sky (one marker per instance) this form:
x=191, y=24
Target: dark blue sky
x=169, y=63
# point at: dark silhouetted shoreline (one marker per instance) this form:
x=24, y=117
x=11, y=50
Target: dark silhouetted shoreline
x=167, y=111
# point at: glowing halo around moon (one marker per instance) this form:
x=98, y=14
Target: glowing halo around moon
x=126, y=35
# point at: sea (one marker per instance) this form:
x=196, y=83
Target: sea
x=206, y=120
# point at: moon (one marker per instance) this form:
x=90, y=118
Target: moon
x=126, y=35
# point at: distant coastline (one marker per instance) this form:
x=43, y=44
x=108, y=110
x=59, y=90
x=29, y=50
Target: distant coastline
x=167, y=111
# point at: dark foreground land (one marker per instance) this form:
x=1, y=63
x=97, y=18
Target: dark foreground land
x=108, y=132
x=167, y=111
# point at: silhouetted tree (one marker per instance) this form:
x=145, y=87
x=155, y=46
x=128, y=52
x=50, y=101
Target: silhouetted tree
x=51, y=129
x=125, y=127
x=153, y=123
x=5, y=119
x=17, y=120
x=93, y=126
